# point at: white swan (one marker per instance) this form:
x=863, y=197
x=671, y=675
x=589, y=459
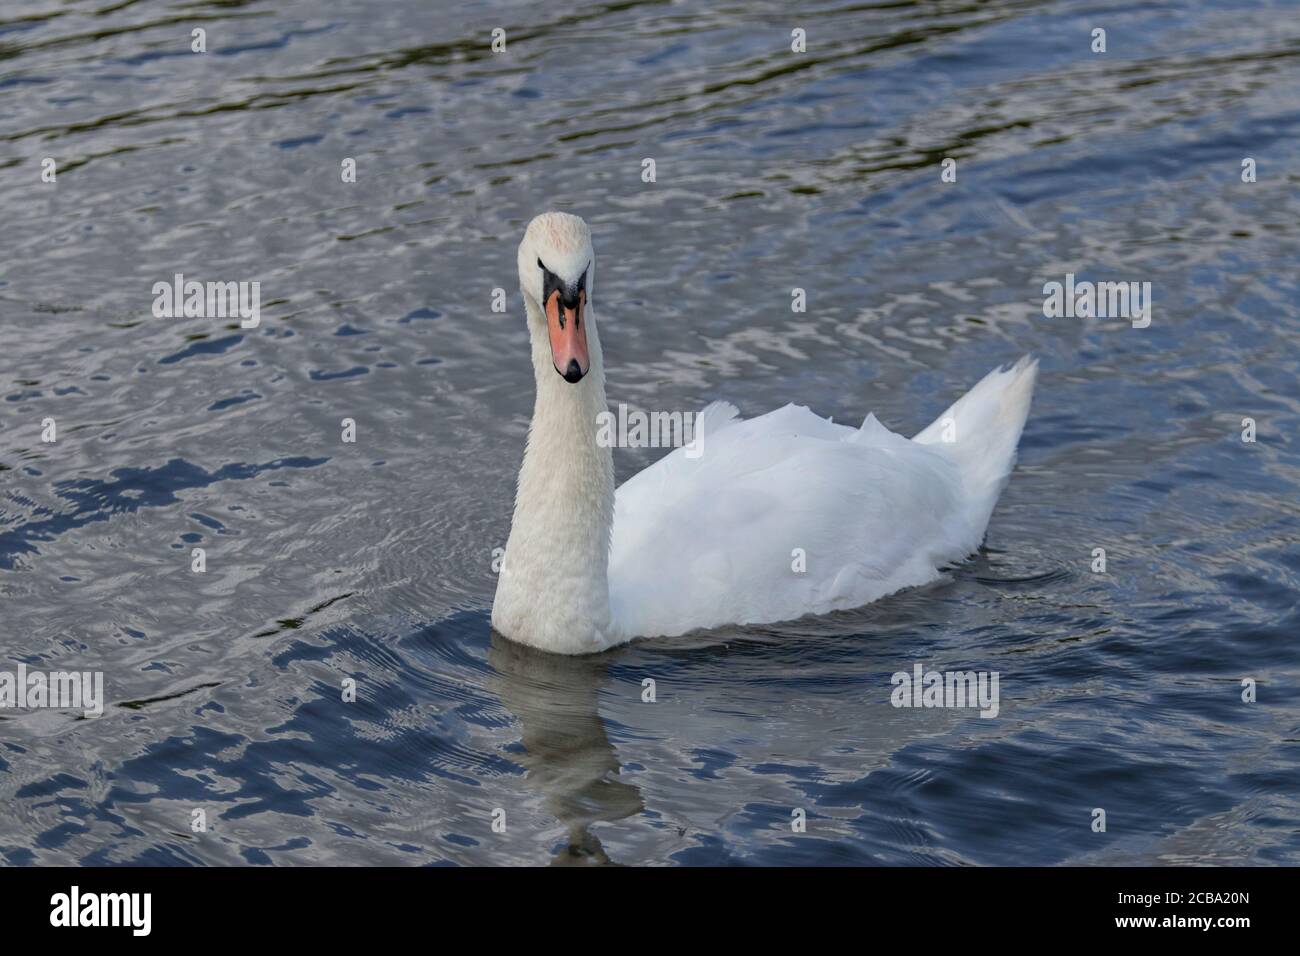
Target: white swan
x=698, y=542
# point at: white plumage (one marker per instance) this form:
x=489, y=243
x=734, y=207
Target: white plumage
x=779, y=516
x=789, y=514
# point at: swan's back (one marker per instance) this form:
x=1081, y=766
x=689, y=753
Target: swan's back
x=789, y=514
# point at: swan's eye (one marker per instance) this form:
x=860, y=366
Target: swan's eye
x=540, y=266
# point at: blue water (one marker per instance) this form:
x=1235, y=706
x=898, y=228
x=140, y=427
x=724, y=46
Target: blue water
x=1120, y=691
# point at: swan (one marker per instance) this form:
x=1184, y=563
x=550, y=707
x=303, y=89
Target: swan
x=769, y=519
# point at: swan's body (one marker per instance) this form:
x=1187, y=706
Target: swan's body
x=767, y=520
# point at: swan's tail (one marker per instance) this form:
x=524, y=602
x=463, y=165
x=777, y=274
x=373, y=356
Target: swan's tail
x=981, y=431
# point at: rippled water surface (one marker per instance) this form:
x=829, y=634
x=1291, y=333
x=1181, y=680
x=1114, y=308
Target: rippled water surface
x=775, y=170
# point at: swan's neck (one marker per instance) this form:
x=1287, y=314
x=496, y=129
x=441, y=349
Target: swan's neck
x=553, y=590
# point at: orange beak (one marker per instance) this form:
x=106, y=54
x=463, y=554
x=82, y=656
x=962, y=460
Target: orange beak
x=568, y=330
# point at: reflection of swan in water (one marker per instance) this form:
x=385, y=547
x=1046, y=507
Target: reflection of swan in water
x=568, y=756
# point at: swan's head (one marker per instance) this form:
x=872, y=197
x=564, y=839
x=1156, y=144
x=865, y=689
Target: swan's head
x=557, y=270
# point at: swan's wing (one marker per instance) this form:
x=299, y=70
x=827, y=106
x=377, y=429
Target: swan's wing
x=777, y=517
x=724, y=447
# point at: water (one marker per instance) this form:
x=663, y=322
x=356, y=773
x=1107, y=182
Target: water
x=775, y=170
